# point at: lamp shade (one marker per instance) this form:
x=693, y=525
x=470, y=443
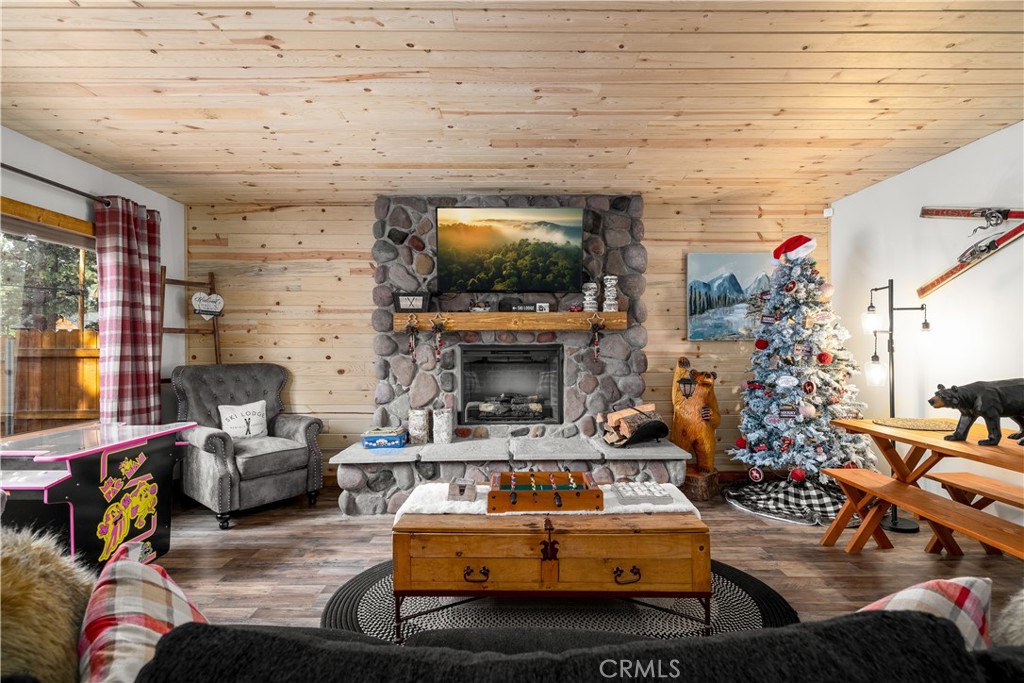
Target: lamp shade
x=874, y=372
x=870, y=321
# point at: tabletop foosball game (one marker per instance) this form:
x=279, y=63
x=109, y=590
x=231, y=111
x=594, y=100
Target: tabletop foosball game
x=543, y=492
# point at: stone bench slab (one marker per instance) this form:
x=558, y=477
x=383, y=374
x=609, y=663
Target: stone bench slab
x=357, y=455
x=648, y=450
x=527, y=449
x=466, y=450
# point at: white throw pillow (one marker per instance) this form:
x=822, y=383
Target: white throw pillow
x=244, y=422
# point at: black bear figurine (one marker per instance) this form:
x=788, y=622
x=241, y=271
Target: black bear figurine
x=987, y=400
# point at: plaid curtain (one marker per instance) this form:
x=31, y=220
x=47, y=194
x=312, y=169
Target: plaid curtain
x=128, y=260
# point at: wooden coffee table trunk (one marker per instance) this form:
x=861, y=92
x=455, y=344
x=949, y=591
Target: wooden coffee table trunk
x=657, y=555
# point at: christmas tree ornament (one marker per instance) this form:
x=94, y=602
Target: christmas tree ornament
x=760, y=448
x=807, y=410
x=787, y=412
x=761, y=344
x=824, y=357
x=787, y=381
x=751, y=384
x=808, y=387
x=790, y=286
x=798, y=475
x=741, y=442
x=850, y=465
x=826, y=291
x=755, y=474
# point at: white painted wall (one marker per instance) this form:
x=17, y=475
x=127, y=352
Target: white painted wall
x=977, y=320
x=27, y=154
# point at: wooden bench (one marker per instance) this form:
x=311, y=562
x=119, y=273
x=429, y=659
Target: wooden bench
x=964, y=486
x=942, y=514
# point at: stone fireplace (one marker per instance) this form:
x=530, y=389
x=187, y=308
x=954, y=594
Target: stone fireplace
x=571, y=378
x=510, y=384
x=423, y=372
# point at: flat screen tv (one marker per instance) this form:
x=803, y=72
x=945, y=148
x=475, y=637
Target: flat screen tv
x=509, y=250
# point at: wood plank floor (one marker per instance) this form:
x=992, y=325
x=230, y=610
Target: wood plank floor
x=279, y=564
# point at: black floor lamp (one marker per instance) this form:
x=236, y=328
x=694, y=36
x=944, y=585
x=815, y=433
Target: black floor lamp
x=875, y=372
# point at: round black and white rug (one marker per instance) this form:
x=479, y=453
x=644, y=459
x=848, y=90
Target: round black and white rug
x=739, y=603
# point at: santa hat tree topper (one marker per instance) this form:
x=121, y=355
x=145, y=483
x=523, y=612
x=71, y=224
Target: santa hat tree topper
x=793, y=248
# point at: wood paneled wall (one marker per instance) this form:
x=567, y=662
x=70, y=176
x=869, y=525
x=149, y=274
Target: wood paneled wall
x=296, y=281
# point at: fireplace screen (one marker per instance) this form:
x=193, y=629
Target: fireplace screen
x=507, y=384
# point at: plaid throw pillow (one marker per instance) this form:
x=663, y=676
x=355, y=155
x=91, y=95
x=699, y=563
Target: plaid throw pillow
x=132, y=605
x=963, y=600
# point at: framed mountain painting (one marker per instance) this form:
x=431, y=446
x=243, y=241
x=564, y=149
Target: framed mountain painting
x=718, y=287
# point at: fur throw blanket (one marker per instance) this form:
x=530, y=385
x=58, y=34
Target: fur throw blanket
x=43, y=595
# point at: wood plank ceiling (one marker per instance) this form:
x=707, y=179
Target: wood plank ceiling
x=689, y=102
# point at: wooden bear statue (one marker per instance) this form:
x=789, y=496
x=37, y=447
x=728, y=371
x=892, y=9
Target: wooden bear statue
x=696, y=418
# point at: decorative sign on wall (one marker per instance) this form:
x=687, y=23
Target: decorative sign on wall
x=207, y=305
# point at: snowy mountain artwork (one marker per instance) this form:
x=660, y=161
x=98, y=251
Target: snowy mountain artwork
x=718, y=288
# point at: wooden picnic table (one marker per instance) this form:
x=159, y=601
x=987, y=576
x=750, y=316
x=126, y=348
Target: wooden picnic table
x=927, y=449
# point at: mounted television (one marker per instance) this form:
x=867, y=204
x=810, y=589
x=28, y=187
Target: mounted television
x=509, y=250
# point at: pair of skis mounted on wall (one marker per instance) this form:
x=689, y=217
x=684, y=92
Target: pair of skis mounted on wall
x=997, y=237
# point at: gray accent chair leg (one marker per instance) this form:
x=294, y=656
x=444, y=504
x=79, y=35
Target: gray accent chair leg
x=223, y=518
x=312, y=495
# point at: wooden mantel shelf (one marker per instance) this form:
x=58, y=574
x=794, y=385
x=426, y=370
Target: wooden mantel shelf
x=458, y=322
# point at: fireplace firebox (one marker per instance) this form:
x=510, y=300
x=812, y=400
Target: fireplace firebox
x=502, y=384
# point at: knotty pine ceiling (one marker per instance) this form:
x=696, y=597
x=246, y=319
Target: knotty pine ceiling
x=682, y=101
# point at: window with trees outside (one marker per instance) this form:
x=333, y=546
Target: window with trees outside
x=49, y=331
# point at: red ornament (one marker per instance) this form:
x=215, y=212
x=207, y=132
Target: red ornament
x=808, y=387
x=767, y=394
x=755, y=474
x=760, y=447
x=824, y=357
x=790, y=286
x=850, y=465
x=761, y=344
x=741, y=442
x=798, y=475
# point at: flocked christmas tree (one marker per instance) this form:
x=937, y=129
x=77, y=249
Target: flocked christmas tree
x=801, y=383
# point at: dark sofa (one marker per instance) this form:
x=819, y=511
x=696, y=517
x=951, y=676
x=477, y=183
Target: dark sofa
x=866, y=646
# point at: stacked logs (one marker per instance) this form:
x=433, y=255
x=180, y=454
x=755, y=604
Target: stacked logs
x=622, y=424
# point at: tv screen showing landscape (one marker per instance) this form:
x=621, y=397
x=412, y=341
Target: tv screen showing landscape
x=509, y=250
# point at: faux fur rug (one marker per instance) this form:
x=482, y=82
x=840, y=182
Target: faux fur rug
x=432, y=499
x=43, y=595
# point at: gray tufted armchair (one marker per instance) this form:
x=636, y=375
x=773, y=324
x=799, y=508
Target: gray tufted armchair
x=227, y=475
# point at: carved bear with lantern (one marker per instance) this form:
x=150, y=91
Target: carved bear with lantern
x=695, y=413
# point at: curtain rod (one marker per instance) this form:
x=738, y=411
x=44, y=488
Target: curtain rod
x=106, y=202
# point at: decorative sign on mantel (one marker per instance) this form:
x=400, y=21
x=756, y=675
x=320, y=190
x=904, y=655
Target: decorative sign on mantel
x=411, y=302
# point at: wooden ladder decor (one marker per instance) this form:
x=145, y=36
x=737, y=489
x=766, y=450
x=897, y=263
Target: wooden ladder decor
x=208, y=286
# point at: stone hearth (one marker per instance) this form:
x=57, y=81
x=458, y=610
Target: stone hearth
x=378, y=481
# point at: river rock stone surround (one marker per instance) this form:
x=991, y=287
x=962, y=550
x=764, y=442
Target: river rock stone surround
x=405, y=260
